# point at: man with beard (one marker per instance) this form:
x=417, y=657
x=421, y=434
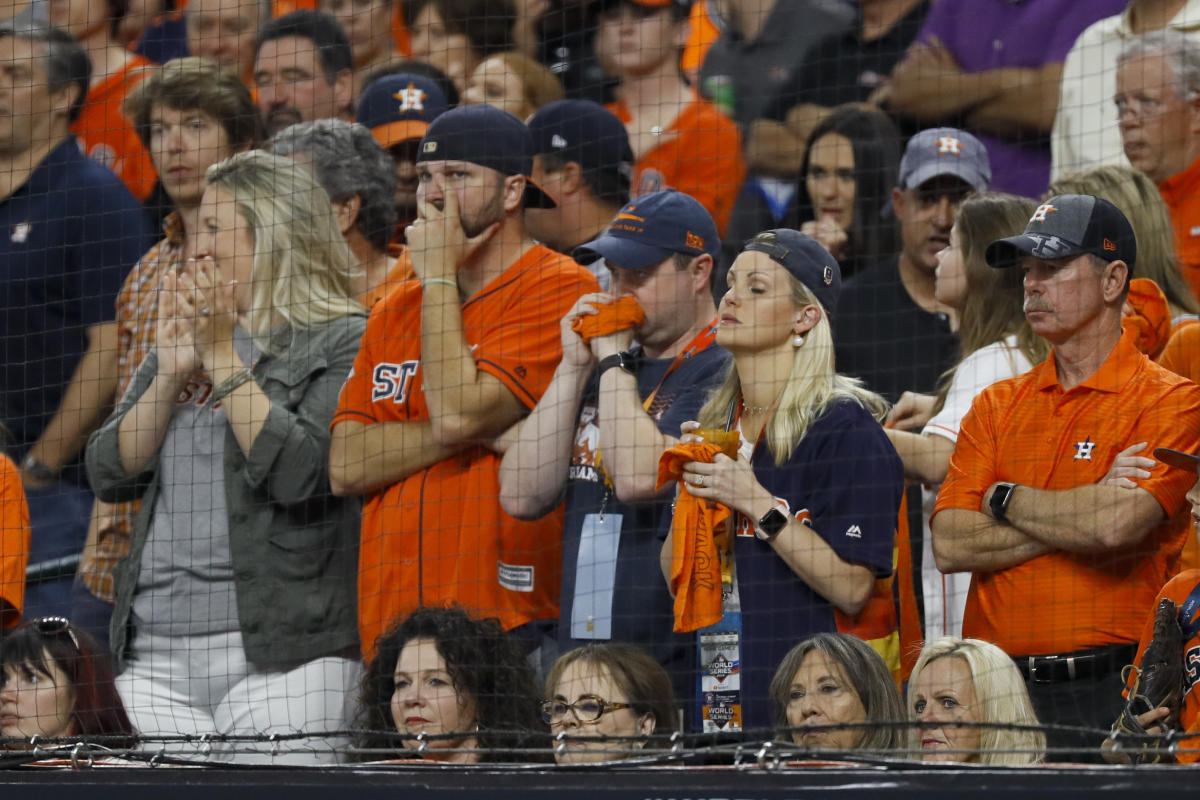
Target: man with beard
x=303, y=70
x=447, y=365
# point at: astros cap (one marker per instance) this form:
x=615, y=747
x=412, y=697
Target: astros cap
x=584, y=132
x=400, y=107
x=652, y=228
x=1175, y=458
x=1069, y=225
x=945, y=151
x=805, y=258
x=486, y=136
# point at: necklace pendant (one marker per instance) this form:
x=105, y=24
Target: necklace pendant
x=656, y=130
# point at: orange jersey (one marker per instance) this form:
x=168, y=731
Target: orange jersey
x=700, y=154
x=1182, y=195
x=1178, y=589
x=14, y=543
x=702, y=32
x=400, y=272
x=440, y=535
x=107, y=136
x=1029, y=431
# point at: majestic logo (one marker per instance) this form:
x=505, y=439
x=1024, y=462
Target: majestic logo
x=1083, y=450
x=393, y=381
x=695, y=242
x=854, y=532
x=411, y=99
x=20, y=232
x=1042, y=211
x=948, y=145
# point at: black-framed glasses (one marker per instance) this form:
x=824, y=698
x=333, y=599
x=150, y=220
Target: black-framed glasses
x=588, y=709
x=56, y=626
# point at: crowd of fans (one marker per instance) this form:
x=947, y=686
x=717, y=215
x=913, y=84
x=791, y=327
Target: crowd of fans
x=519, y=380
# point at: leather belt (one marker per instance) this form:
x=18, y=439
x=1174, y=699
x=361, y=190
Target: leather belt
x=1063, y=667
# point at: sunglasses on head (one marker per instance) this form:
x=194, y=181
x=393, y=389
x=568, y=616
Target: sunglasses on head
x=56, y=626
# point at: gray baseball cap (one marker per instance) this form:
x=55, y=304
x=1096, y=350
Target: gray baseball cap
x=945, y=151
x=1069, y=225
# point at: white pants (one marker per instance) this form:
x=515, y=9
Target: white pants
x=203, y=685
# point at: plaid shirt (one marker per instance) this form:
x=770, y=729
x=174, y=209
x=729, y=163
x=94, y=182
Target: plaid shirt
x=137, y=309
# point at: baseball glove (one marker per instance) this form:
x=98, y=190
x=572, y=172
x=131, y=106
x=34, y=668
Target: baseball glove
x=1157, y=682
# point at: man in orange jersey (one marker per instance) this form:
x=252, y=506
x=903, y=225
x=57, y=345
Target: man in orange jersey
x=446, y=366
x=103, y=131
x=1066, y=562
x=224, y=31
x=680, y=140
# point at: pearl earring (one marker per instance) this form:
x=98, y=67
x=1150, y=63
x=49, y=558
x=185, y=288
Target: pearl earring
x=798, y=340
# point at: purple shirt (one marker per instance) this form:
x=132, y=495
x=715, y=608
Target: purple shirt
x=990, y=34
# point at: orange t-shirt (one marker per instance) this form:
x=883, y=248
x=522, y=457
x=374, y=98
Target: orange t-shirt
x=1182, y=195
x=1029, y=431
x=440, y=535
x=14, y=543
x=700, y=154
x=1178, y=589
x=400, y=272
x=107, y=136
x=702, y=32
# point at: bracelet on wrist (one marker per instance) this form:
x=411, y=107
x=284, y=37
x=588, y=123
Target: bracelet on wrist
x=442, y=281
x=227, y=386
x=38, y=470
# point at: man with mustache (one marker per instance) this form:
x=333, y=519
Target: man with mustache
x=1068, y=537
x=303, y=70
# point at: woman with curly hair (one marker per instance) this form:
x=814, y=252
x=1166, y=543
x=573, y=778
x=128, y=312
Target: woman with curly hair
x=462, y=682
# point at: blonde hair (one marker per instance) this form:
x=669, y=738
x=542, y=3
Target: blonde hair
x=1138, y=198
x=539, y=85
x=1001, y=695
x=812, y=387
x=302, y=265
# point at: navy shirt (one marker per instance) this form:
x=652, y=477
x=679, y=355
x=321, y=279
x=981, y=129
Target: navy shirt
x=847, y=475
x=68, y=236
x=642, y=611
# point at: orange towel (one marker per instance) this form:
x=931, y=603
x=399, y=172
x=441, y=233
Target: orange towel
x=695, y=562
x=612, y=317
x=1147, y=318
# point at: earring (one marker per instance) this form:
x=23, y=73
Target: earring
x=798, y=340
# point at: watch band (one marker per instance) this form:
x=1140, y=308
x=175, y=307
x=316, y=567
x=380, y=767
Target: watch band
x=39, y=471
x=624, y=359
x=1000, y=500
x=772, y=523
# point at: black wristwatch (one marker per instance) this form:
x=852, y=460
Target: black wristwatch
x=624, y=359
x=770, y=524
x=1000, y=500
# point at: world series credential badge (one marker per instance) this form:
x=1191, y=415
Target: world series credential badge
x=721, y=675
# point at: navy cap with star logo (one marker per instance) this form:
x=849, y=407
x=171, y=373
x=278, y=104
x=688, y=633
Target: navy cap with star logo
x=398, y=108
x=935, y=152
x=1066, y=226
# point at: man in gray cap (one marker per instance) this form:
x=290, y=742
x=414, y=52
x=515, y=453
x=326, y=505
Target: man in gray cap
x=1069, y=533
x=891, y=330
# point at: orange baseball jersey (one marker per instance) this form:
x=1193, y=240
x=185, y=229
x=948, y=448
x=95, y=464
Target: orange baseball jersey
x=400, y=272
x=1178, y=589
x=1029, y=431
x=702, y=32
x=440, y=536
x=1182, y=195
x=14, y=543
x=107, y=136
x=700, y=154
x=1182, y=356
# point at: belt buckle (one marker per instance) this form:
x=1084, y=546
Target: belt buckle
x=1033, y=670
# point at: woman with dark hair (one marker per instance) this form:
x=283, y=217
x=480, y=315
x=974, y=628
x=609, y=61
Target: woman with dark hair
x=463, y=682
x=455, y=35
x=607, y=689
x=833, y=678
x=56, y=682
x=848, y=173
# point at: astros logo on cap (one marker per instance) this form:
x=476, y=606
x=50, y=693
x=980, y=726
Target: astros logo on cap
x=1042, y=211
x=948, y=145
x=411, y=98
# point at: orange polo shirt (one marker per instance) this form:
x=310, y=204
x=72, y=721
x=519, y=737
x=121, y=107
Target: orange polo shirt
x=107, y=136
x=1030, y=431
x=700, y=154
x=14, y=543
x=1182, y=195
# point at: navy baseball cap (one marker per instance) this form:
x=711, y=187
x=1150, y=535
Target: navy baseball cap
x=652, y=228
x=1066, y=226
x=398, y=108
x=806, y=259
x=584, y=132
x=486, y=136
x=1176, y=458
x=945, y=151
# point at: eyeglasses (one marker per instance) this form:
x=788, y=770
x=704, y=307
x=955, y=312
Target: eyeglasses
x=588, y=710
x=56, y=626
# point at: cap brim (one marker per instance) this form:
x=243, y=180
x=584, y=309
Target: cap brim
x=1175, y=458
x=956, y=168
x=1008, y=252
x=535, y=197
x=621, y=253
x=399, y=131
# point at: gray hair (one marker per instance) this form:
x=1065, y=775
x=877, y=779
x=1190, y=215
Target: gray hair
x=1179, y=52
x=66, y=61
x=347, y=161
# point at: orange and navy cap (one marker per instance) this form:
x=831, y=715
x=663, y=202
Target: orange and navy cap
x=651, y=229
x=1066, y=226
x=398, y=108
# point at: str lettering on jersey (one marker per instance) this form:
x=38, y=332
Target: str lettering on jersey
x=1191, y=668
x=393, y=380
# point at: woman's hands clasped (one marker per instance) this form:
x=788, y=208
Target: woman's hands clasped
x=196, y=317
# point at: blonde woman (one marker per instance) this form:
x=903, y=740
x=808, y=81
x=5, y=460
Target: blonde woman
x=816, y=487
x=235, y=610
x=513, y=82
x=972, y=681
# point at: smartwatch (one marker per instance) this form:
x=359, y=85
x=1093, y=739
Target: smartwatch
x=1000, y=500
x=625, y=360
x=771, y=523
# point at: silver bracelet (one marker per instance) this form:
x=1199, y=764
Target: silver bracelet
x=227, y=386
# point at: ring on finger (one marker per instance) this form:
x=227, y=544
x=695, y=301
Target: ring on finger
x=206, y=311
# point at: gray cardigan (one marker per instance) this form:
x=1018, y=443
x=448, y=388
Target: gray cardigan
x=293, y=544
